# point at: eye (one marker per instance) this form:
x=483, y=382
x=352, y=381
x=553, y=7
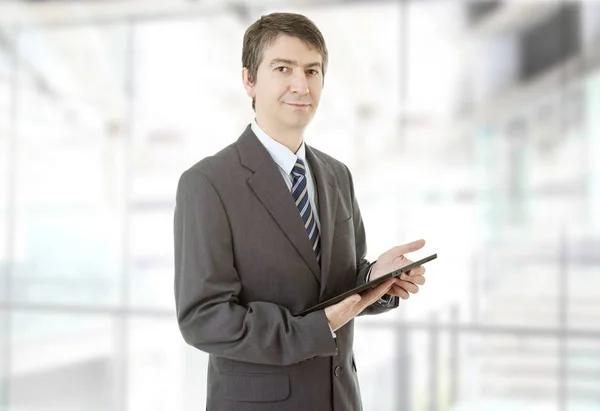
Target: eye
x=313, y=72
x=282, y=69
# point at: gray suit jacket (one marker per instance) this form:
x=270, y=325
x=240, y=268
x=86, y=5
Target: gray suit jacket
x=244, y=267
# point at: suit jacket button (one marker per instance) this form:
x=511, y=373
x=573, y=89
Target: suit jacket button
x=337, y=371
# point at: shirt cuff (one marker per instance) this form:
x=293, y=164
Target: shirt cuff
x=386, y=300
x=369, y=270
x=332, y=333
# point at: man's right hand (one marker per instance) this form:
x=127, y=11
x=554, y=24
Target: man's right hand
x=342, y=312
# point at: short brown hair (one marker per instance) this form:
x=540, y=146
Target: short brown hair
x=264, y=31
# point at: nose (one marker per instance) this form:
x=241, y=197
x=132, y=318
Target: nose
x=299, y=83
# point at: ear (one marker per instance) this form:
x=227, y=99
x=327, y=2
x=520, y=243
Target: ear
x=248, y=82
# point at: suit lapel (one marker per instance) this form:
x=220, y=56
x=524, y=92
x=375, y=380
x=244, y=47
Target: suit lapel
x=328, y=196
x=271, y=190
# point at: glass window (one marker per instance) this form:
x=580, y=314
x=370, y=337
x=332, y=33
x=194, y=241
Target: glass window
x=164, y=372
x=70, y=165
x=151, y=267
x=175, y=88
x=5, y=123
x=374, y=356
x=62, y=361
x=4, y=358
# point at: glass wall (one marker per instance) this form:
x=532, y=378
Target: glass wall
x=187, y=102
x=70, y=165
x=5, y=127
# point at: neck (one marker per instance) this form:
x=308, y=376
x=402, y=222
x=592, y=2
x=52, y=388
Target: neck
x=291, y=138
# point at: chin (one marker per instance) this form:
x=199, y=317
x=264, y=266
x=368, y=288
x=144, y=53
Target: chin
x=299, y=122
x=302, y=117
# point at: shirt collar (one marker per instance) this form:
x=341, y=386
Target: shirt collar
x=282, y=155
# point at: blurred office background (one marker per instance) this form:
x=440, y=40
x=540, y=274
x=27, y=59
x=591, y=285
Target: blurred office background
x=474, y=125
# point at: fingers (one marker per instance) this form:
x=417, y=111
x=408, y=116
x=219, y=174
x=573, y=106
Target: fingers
x=418, y=280
x=408, y=248
x=420, y=270
x=376, y=293
x=416, y=271
x=407, y=285
x=403, y=289
x=399, y=292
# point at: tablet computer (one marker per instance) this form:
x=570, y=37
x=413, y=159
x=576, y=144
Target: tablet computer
x=366, y=286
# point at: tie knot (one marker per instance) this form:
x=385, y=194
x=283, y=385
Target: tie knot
x=299, y=169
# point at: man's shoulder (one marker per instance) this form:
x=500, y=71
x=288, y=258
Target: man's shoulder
x=213, y=167
x=337, y=166
x=217, y=162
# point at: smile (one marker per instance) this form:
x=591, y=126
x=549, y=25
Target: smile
x=298, y=104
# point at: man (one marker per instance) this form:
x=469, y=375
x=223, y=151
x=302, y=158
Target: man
x=268, y=227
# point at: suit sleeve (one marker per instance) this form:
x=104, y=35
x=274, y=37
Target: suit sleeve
x=207, y=287
x=362, y=264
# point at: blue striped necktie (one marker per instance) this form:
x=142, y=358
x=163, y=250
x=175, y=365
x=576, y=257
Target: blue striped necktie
x=300, y=194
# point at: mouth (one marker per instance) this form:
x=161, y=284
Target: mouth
x=298, y=104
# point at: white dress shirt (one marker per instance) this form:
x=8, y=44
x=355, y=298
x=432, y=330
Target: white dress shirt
x=285, y=160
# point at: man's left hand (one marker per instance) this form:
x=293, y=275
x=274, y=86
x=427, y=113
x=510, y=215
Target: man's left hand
x=394, y=259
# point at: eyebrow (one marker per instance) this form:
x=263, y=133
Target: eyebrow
x=293, y=63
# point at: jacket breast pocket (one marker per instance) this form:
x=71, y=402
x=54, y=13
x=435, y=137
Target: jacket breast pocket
x=342, y=228
x=256, y=387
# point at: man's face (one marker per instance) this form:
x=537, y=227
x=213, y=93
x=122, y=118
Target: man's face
x=288, y=84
